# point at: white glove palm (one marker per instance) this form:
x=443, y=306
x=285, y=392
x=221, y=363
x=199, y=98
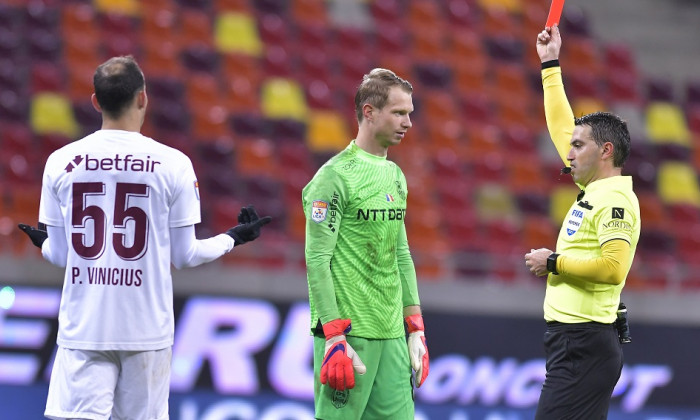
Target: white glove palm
x=417, y=348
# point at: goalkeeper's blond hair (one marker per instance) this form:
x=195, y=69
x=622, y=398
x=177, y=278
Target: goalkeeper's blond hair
x=374, y=89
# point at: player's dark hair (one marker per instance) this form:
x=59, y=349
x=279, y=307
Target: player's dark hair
x=607, y=127
x=374, y=89
x=117, y=81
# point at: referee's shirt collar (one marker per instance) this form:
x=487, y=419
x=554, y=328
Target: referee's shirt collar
x=612, y=182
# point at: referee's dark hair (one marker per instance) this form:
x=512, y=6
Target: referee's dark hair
x=116, y=82
x=607, y=127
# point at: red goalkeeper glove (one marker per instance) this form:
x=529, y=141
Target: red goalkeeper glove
x=341, y=361
x=417, y=348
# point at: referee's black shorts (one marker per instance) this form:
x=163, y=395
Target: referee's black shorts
x=584, y=362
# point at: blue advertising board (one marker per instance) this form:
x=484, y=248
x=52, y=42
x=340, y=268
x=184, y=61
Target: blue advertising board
x=247, y=358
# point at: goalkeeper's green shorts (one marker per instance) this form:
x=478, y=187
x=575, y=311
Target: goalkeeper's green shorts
x=384, y=392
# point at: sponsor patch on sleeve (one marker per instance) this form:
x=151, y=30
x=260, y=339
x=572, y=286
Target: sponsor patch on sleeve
x=196, y=189
x=319, y=210
x=618, y=213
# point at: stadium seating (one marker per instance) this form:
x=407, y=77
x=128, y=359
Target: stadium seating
x=261, y=92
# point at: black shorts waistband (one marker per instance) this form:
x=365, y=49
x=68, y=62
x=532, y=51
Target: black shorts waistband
x=556, y=325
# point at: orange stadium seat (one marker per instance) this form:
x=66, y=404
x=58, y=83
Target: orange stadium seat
x=159, y=23
x=483, y=139
x=423, y=14
x=196, y=27
x=498, y=21
x=256, y=157
x=161, y=59
x=582, y=54
x=327, y=131
x=538, y=232
x=428, y=46
x=307, y=12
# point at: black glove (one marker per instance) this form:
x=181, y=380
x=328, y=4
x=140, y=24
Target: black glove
x=37, y=235
x=248, y=227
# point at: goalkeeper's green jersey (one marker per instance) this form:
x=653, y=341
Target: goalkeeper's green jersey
x=358, y=263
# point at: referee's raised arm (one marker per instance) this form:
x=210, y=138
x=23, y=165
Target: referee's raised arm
x=558, y=113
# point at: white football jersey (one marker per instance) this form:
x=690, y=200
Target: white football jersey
x=117, y=194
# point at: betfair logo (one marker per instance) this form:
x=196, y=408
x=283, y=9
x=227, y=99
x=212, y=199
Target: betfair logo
x=618, y=213
x=116, y=163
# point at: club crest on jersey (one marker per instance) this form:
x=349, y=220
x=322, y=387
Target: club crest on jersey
x=389, y=198
x=319, y=210
x=340, y=398
x=573, y=223
x=196, y=189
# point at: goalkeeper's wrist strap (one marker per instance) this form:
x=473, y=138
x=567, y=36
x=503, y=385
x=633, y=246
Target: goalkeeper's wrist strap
x=336, y=327
x=414, y=323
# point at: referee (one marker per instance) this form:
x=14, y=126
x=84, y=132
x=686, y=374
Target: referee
x=594, y=253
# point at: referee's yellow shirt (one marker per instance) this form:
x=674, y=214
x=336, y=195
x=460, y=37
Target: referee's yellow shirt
x=608, y=211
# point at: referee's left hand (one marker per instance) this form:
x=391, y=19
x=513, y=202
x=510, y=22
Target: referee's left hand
x=536, y=261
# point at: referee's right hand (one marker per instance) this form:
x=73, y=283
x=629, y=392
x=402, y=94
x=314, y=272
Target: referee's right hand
x=536, y=261
x=549, y=44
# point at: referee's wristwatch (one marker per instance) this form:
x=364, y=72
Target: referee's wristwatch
x=552, y=263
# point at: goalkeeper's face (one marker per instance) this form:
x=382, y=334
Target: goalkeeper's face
x=393, y=121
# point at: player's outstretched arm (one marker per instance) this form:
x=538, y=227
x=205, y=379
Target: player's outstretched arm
x=249, y=225
x=188, y=251
x=51, y=240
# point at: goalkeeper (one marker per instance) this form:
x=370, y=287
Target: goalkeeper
x=594, y=253
x=362, y=281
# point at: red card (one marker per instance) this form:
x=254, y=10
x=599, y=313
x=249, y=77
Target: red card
x=554, y=13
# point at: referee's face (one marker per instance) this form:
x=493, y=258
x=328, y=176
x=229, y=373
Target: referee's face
x=585, y=156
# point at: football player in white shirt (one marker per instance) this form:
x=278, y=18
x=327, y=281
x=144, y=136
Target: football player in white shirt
x=119, y=208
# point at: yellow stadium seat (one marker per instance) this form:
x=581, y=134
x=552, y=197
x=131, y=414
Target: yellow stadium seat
x=51, y=113
x=327, y=131
x=585, y=106
x=666, y=124
x=513, y=6
x=560, y=201
x=237, y=33
x=123, y=7
x=283, y=98
x=495, y=202
x=677, y=183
